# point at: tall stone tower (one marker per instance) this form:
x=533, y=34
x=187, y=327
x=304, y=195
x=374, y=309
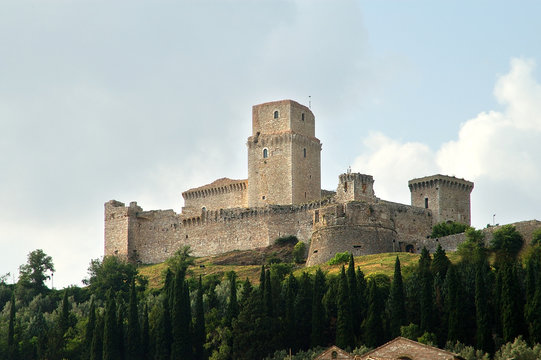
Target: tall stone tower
x=447, y=196
x=284, y=156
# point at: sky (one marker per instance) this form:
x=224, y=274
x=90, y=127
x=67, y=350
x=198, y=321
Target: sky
x=140, y=100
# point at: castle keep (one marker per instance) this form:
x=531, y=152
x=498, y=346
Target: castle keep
x=282, y=196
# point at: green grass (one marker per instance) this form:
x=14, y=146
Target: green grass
x=369, y=264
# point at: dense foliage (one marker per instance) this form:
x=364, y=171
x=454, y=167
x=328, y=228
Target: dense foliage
x=471, y=307
x=448, y=228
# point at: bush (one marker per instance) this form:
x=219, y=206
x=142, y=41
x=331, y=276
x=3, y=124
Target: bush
x=518, y=350
x=536, y=237
x=284, y=240
x=507, y=240
x=340, y=258
x=299, y=252
x=448, y=228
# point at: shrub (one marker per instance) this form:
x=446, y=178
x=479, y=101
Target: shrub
x=284, y=240
x=340, y=258
x=448, y=228
x=536, y=237
x=299, y=252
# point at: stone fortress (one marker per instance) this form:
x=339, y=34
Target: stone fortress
x=282, y=196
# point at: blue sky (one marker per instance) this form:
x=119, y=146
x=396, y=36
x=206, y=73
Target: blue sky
x=141, y=100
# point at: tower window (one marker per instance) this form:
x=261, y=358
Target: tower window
x=265, y=153
x=276, y=114
x=302, y=116
x=304, y=150
x=426, y=203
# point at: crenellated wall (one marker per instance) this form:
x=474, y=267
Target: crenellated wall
x=221, y=194
x=153, y=236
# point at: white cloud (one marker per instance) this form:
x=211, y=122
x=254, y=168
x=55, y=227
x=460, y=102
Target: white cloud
x=498, y=150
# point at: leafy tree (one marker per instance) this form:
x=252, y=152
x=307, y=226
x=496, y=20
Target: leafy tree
x=397, y=305
x=507, y=242
x=38, y=268
x=111, y=273
x=518, y=350
x=11, y=329
x=447, y=228
x=339, y=258
x=411, y=331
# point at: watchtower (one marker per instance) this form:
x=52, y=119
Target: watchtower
x=284, y=156
x=447, y=196
x=355, y=187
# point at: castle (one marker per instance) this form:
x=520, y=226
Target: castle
x=282, y=196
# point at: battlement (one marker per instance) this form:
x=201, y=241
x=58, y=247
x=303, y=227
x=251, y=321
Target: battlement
x=221, y=194
x=440, y=180
x=355, y=187
x=447, y=196
x=283, y=115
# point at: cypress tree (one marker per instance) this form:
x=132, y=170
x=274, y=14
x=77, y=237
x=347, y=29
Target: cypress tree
x=262, y=280
x=482, y=304
x=246, y=292
x=397, y=303
x=199, y=328
x=511, y=307
x=233, y=305
x=111, y=349
x=354, y=297
x=452, y=303
x=303, y=312
x=362, y=293
x=11, y=329
x=290, y=322
x=90, y=326
x=133, y=339
x=267, y=295
x=440, y=263
x=96, y=349
x=318, y=311
x=120, y=315
x=373, y=329
x=344, y=325
x=41, y=344
x=163, y=338
x=181, y=348
x=145, y=335
x=426, y=296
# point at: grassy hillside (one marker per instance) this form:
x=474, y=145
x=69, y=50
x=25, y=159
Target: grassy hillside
x=370, y=265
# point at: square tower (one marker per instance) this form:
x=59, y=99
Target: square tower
x=284, y=156
x=447, y=196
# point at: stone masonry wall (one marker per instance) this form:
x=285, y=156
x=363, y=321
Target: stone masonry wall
x=156, y=235
x=221, y=194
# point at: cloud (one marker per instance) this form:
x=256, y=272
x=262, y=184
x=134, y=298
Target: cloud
x=499, y=150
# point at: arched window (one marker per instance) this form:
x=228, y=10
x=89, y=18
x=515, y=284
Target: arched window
x=276, y=114
x=265, y=153
x=334, y=355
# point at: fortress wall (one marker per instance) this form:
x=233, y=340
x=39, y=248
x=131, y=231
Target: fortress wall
x=154, y=236
x=221, y=197
x=358, y=227
x=119, y=219
x=411, y=223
